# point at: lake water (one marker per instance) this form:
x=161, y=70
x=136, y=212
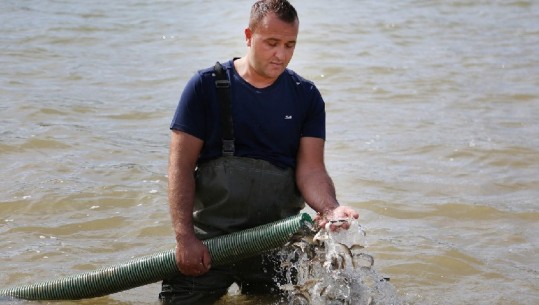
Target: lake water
x=433, y=134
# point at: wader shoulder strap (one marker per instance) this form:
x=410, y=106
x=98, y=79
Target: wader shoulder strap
x=223, y=92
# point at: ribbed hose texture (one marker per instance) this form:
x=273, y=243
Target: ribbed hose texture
x=149, y=269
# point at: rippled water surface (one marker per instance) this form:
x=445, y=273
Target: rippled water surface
x=433, y=111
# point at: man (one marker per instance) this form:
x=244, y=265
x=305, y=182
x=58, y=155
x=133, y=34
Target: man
x=277, y=162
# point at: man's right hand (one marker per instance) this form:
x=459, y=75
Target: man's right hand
x=192, y=256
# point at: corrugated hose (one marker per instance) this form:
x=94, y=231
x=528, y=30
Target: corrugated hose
x=149, y=269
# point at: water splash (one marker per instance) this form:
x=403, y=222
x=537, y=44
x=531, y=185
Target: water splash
x=330, y=268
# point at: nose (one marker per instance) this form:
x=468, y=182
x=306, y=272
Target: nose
x=280, y=52
x=283, y=53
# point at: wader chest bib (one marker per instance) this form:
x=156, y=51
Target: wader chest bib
x=236, y=193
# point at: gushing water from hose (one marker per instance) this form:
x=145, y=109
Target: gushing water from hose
x=149, y=269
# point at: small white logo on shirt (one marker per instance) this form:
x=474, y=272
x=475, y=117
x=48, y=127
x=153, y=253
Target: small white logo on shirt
x=287, y=117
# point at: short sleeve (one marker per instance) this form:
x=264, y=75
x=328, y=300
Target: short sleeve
x=190, y=113
x=315, y=120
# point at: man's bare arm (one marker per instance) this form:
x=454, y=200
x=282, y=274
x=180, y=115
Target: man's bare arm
x=192, y=256
x=316, y=185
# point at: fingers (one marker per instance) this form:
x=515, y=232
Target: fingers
x=206, y=260
x=337, y=218
x=195, y=269
x=345, y=212
x=336, y=225
x=193, y=261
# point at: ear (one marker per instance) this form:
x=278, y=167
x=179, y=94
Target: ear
x=248, y=36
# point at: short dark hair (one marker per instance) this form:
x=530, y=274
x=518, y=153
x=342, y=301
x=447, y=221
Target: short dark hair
x=282, y=8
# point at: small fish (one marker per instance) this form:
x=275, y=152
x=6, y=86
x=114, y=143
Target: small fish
x=299, y=299
x=356, y=249
x=343, y=254
x=362, y=260
x=338, y=222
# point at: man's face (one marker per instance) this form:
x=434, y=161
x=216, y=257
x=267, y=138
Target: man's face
x=271, y=45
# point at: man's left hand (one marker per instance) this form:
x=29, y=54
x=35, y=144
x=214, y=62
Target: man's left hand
x=336, y=218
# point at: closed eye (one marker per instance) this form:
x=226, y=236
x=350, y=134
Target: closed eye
x=272, y=42
x=290, y=45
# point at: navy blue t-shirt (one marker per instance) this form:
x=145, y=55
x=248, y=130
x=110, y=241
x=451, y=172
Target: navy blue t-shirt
x=268, y=122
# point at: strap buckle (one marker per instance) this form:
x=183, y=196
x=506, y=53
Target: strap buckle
x=222, y=83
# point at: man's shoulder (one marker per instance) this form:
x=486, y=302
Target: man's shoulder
x=206, y=72
x=300, y=80
x=210, y=71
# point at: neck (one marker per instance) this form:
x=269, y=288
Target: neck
x=249, y=74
